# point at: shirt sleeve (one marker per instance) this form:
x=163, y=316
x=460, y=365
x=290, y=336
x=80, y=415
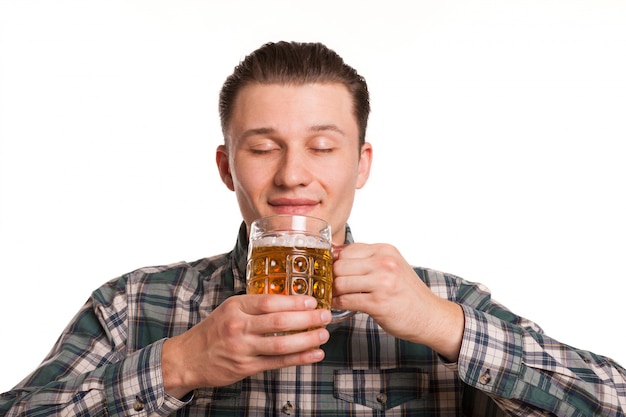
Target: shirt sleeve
x=527, y=373
x=90, y=372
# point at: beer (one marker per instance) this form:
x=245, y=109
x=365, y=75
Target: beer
x=291, y=255
x=291, y=270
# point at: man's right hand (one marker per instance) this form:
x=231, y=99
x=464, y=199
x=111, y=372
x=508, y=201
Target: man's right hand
x=231, y=343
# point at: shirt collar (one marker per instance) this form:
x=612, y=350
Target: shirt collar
x=240, y=253
x=349, y=239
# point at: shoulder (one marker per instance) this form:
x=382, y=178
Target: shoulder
x=474, y=297
x=453, y=287
x=436, y=278
x=167, y=278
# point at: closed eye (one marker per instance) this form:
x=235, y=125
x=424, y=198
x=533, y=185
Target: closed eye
x=261, y=151
x=264, y=148
x=322, y=144
x=322, y=150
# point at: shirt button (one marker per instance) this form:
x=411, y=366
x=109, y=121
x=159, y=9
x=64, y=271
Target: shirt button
x=381, y=398
x=139, y=405
x=485, y=378
x=287, y=408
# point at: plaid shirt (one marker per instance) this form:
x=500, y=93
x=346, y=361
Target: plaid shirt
x=107, y=361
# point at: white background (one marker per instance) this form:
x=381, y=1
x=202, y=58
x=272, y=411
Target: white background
x=498, y=129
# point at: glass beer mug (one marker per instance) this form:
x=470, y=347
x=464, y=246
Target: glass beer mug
x=292, y=255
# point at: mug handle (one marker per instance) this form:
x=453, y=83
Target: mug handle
x=341, y=315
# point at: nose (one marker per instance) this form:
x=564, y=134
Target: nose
x=293, y=170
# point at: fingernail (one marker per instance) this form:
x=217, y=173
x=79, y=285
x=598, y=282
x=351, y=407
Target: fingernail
x=336, y=251
x=310, y=303
x=324, y=336
x=317, y=354
x=326, y=316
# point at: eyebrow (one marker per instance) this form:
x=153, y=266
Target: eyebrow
x=269, y=130
x=322, y=128
x=258, y=131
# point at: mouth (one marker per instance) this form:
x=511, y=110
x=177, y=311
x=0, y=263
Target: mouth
x=293, y=205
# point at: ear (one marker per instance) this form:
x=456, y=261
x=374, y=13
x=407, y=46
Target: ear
x=365, y=164
x=223, y=166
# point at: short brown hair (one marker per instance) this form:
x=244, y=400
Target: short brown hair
x=295, y=63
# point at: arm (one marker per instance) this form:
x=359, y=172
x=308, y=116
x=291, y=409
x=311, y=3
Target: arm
x=128, y=350
x=521, y=369
x=89, y=372
x=494, y=351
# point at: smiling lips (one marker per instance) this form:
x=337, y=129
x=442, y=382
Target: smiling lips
x=293, y=205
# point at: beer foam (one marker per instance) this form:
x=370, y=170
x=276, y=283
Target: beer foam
x=293, y=240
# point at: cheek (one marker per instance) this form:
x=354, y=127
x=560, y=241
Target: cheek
x=344, y=178
x=249, y=179
x=243, y=184
x=340, y=184
x=247, y=194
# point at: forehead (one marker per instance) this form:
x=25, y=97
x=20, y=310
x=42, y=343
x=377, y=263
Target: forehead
x=291, y=107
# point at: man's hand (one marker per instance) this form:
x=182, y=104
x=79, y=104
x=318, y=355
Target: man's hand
x=377, y=280
x=231, y=343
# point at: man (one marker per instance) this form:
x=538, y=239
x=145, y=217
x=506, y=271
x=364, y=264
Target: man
x=185, y=338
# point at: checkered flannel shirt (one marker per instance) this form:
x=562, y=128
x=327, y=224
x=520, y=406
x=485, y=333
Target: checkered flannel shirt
x=107, y=361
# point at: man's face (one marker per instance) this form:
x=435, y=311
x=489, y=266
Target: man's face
x=293, y=149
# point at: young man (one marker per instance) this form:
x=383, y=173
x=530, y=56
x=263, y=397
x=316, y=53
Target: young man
x=186, y=338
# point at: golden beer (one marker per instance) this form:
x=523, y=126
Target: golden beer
x=291, y=270
x=291, y=255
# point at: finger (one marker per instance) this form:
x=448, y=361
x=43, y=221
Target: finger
x=353, y=284
x=350, y=277
x=357, y=250
x=292, y=344
x=352, y=301
x=301, y=358
x=269, y=303
x=337, y=249
x=356, y=259
x=352, y=266
x=290, y=321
